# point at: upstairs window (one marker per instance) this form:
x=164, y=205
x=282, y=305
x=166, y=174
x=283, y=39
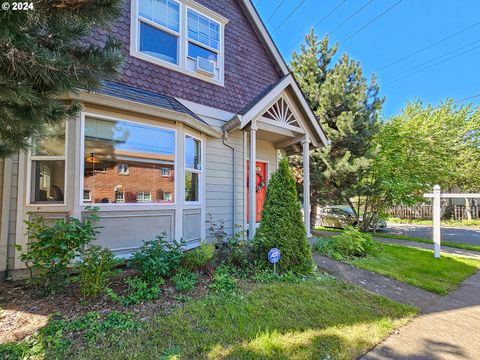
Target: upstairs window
x=185, y=38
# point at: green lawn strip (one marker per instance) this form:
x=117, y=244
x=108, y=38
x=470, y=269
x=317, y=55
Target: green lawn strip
x=418, y=267
x=409, y=238
x=469, y=223
x=320, y=318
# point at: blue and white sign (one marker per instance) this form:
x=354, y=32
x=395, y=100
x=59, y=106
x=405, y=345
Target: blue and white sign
x=274, y=255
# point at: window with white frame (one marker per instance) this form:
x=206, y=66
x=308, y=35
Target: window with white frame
x=47, y=165
x=193, y=168
x=170, y=33
x=144, y=196
x=114, y=146
x=166, y=171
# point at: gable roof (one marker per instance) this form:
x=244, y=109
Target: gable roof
x=255, y=108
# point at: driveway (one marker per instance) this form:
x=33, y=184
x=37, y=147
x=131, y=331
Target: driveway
x=452, y=234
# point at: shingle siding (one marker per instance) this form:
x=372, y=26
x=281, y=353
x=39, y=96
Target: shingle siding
x=248, y=67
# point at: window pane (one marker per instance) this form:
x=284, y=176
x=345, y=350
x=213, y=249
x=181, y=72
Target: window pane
x=202, y=29
x=158, y=43
x=192, y=153
x=162, y=12
x=50, y=141
x=191, y=186
x=48, y=181
x=194, y=51
x=144, y=150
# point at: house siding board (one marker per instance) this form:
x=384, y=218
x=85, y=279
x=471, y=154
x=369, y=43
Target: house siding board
x=220, y=180
x=11, y=239
x=245, y=76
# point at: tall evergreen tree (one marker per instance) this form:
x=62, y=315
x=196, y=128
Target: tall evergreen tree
x=43, y=55
x=347, y=107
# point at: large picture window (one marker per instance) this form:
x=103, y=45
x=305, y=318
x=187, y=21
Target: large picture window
x=193, y=168
x=112, y=147
x=47, y=165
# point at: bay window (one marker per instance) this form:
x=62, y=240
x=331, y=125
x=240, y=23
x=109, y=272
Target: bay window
x=124, y=161
x=176, y=35
x=47, y=165
x=193, y=168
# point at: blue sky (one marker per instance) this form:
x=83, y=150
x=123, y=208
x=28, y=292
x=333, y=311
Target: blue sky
x=406, y=28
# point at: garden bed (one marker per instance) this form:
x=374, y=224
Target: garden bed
x=23, y=310
x=317, y=317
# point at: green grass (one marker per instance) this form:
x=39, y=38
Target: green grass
x=409, y=238
x=473, y=222
x=419, y=268
x=314, y=319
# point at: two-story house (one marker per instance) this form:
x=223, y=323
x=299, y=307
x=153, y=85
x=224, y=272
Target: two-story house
x=192, y=127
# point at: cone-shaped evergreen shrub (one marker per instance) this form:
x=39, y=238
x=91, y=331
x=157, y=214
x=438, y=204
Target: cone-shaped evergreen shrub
x=282, y=225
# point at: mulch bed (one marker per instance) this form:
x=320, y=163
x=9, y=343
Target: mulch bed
x=23, y=310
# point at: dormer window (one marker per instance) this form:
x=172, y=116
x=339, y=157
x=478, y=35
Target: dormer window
x=183, y=36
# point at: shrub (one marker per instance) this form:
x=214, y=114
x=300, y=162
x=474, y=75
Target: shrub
x=185, y=280
x=138, y=291
x=235, y=250
x=52, y=248
x=282, y=225
x=351, y=243
x=268, y=276
x=157, y=259
x=198, y=257
x=223, y=282
x=96, y=269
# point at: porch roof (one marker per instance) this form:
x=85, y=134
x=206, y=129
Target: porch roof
x=306, y=122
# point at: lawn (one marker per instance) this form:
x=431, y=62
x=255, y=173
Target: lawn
x=318, y=318
x=409, y=238
x=472, y=223
x=419, y=268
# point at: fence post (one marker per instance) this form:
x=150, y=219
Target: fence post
x=436, y=214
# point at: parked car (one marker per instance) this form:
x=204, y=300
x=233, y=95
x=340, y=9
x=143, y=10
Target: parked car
x=341, y=216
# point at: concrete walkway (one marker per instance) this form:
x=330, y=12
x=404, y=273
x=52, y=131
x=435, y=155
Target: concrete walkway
x=448, y=327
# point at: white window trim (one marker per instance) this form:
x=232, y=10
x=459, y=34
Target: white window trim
x=123, y=172
x=122, y=206
x=196, y=171
x=31, y=158
x=182, y=40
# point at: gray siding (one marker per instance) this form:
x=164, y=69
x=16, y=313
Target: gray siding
x=220, y=180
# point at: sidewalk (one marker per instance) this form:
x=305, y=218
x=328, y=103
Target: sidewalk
x=448, y=327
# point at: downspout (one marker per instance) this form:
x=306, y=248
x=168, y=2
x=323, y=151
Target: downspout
x=234, y=157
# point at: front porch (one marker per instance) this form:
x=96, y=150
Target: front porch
x=280, y=117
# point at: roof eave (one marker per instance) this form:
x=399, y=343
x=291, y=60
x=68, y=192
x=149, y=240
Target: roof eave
x=145, y=109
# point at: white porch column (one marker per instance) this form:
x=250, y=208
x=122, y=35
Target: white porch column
x=306, y=185
x=437, y=218
x=252, y=179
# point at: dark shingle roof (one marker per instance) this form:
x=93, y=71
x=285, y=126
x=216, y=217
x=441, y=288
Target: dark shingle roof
x=260, y=96
x=131, y=93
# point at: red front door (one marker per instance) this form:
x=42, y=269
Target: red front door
x=260, y=186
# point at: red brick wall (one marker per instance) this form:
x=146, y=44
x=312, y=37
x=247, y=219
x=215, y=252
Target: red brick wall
x=138, y=179
x=248, y=67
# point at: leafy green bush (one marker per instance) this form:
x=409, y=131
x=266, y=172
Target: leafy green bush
x=96, y=269
x=198, y=257
x=234, y=250
x=349, y=244
x=282, y=225
x=185, y=280
x=223, y=282
x=52, y=248
x=157, y=259
x=138, y=291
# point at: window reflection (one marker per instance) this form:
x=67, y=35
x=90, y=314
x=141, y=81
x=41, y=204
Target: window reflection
x=127, y=162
